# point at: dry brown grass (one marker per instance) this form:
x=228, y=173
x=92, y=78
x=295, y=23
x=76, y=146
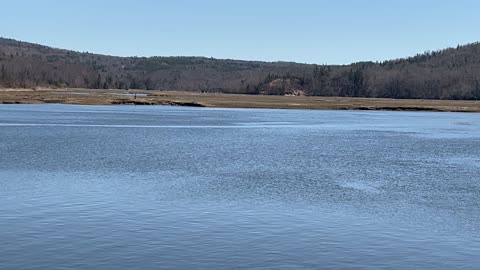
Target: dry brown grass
x=107, y=97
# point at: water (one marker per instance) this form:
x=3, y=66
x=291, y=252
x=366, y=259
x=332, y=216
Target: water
x=125, y=187
x=115, y=94
x=130, y=94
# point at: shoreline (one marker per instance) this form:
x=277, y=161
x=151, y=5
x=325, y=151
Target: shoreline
x=217, y=100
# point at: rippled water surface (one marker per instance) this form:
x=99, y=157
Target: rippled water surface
x=124, y=187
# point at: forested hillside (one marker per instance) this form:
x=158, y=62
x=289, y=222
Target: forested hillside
x=452, y=73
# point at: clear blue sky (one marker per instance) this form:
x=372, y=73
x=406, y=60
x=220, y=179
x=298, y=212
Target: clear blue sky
x=310, y=31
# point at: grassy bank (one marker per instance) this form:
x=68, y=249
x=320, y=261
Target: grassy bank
x=179, y=98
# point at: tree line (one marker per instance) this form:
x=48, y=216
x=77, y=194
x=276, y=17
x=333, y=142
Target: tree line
x=453, y=73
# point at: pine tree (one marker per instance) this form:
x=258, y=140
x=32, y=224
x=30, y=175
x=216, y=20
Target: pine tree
x=3, y=74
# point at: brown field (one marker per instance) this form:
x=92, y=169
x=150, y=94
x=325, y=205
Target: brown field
x=179, y=98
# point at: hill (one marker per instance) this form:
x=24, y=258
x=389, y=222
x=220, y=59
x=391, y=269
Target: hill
x=453, y=73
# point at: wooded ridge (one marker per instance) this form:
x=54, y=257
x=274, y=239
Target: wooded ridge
x=452, y=73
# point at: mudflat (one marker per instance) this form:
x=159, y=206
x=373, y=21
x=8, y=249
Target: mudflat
x=181, y=98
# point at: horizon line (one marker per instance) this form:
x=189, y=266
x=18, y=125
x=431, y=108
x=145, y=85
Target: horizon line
x=247, y=60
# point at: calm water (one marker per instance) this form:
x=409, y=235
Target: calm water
x=124, y=187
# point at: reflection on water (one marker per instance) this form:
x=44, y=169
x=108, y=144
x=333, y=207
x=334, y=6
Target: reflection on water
x=121, y=187
x=130, y=94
